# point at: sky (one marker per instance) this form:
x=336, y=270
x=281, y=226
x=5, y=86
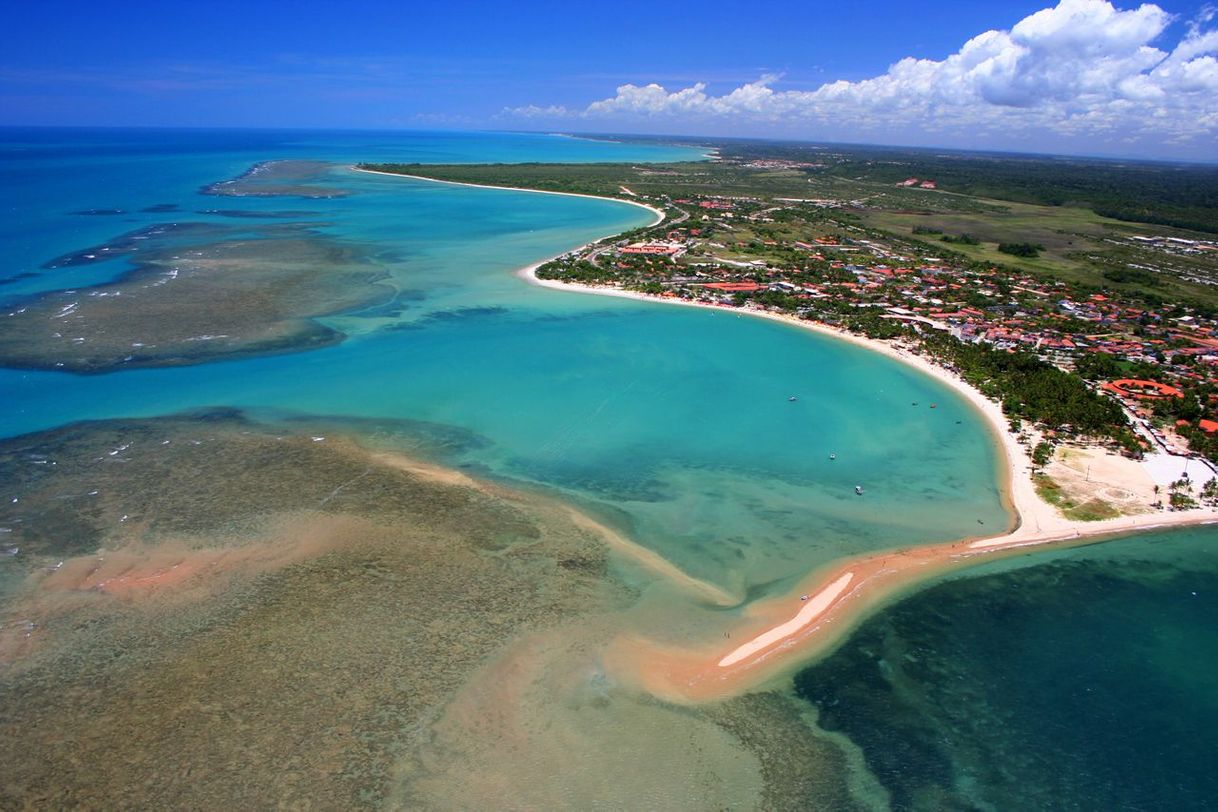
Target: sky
x=1075, y=77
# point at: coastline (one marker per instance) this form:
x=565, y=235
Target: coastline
x=828, y=602
x=658, y=214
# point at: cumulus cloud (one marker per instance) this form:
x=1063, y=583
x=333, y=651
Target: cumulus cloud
x=1081, y=68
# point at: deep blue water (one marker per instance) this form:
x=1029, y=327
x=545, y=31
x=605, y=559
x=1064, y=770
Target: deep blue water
x=1082, y=679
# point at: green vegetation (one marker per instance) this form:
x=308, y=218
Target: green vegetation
x=1042, y=454
x=572, y=270
x=1092, y=510
x=1030, y=250
x=1180, y=495
x=1174, y=195
x=1033, y=390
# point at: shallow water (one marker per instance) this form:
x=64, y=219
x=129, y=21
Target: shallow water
x=674, y=425
x=260, y=618
x=421, y=635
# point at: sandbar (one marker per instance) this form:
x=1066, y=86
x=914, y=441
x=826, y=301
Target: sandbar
x=839, y=596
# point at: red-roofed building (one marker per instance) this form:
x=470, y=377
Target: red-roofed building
x=1147, y=390
x=734, y=287
x=657, y=249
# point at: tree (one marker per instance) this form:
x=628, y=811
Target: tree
x=1042, y=454
x=1028, y=250
x=1181, y=501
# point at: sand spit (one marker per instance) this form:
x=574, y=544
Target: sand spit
x=719, y=672
x=835, y=599
x=814, y=607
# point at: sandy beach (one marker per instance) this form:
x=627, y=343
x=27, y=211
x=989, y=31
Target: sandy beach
x=658, y=214
x=786, y=630
x=778, y=633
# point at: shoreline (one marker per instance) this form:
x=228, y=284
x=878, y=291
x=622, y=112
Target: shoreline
x=830, y=600
x=658, y=214
x=1033, y=517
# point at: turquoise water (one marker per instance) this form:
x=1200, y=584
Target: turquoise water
x=1083, y=682
x=675, y=424
x=1083, y=679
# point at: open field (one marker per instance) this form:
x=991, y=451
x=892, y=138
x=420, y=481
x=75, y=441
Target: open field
x=1080, y=247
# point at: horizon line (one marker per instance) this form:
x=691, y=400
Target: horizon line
x=606, y=135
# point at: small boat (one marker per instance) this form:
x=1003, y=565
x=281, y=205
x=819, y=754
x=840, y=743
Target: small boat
x=858, y=489
x=792, y=399
x=832, y=456
x=933, y=405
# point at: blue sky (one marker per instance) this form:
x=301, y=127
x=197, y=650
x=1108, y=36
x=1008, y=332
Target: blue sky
x=1079, y=76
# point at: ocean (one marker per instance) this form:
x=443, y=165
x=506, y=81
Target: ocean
x=141, y=300
x=674, y=424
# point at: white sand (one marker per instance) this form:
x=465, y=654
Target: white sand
x=813, y=608
x=659, y=214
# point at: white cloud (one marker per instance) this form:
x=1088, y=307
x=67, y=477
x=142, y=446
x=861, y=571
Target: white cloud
x=1082, y=68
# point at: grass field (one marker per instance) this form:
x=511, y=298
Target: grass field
x=1092, y=510
x=1078, y=247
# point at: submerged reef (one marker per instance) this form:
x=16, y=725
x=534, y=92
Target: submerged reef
x=240, y=615
x=279, y=179
x=195, y=293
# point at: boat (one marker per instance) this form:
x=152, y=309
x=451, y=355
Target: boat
x=858, y=489
x=792, y=399
x=933, y=405
x=832, y=456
